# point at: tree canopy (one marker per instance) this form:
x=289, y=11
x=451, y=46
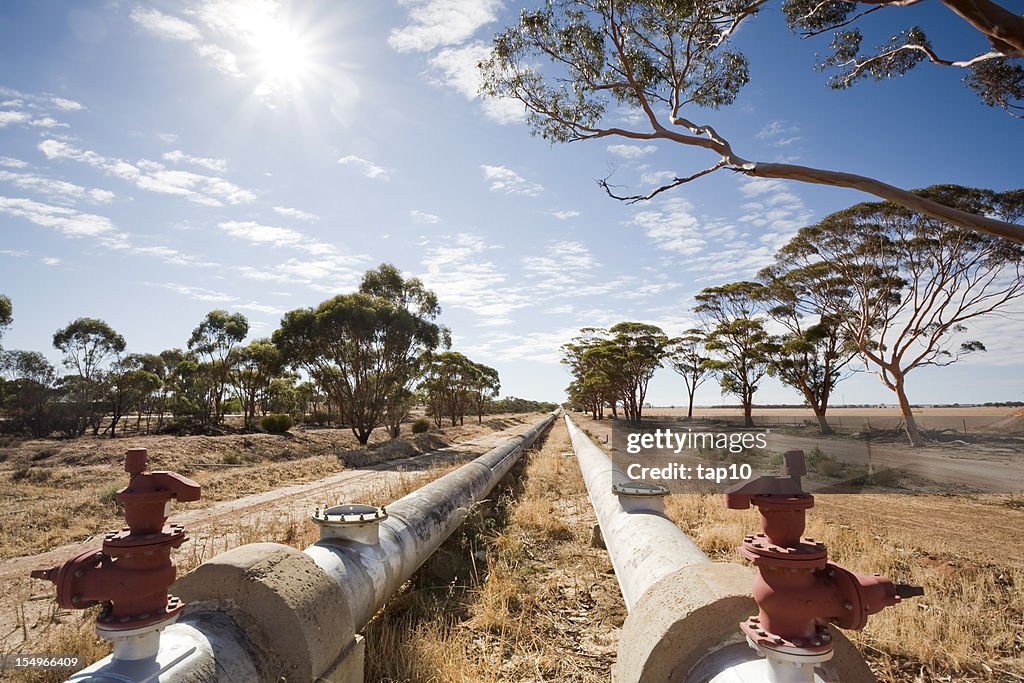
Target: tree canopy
x=575, y=64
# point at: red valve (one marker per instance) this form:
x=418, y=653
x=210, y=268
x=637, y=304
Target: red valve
x=798, y=590
x=133, y=569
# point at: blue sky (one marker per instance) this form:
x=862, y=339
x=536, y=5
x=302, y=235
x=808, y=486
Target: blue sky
x=162, y=159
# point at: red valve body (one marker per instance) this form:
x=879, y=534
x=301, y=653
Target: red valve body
x=133, y=568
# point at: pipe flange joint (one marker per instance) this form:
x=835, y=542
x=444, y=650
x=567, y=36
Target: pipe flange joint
x=820, y=644
x=638, y=488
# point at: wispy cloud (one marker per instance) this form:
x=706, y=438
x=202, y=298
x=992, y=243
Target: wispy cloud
x=422, y=217
x=456, y=68
x=50, y=261
x=779, y=134
x=369, y=169
x=275, y=236
x=68, y=221
x=11, y=162
x=632, y=151
x=289, y=212
x=11, y=117
x=458, y=270
x=59, y=189
x=435, y=23
x=673, y=227
x=199, y=293
x=506, y=180
x=174, y=28
x=565, y=215
x=177, y=156
x=153, y=176
x=165, y=25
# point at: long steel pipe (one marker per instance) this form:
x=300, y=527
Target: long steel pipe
x=416, y=526
x=206, y=645
x=644, y=545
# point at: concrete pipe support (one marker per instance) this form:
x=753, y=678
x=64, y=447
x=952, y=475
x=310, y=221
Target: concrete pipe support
x=269, y=612
x=684, y=610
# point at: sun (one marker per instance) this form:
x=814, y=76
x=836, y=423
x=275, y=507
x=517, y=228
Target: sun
x=282, y=54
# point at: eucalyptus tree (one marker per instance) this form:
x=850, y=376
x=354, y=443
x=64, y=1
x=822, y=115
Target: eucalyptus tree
x=255, y=368
x=215, y=339
x=995, y=74
x=485, y=384
x=902, y=285
x=87, y=344
x=735, y=335
x=29, y=393
x=686, y=355
x=359, y=348
x=448, y=384
x=579, y=65
x=6, y=313
x=814, y=352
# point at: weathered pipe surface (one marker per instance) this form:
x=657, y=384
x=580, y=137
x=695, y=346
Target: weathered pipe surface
x=416, y=526
x=644, y=545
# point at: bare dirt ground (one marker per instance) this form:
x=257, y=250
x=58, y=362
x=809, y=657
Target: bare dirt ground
x=241, y=504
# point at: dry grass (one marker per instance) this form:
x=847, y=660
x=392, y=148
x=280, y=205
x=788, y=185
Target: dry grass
x=530, y=602
x=967, y=627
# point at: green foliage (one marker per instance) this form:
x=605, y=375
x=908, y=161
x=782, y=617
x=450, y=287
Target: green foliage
x=614, y=366
x=6, y=313
x=421, y=426
x=997, y=77
x=86, y=343
x=361, y=349
x=511, y=404
x=276, y=423
x=452, y=383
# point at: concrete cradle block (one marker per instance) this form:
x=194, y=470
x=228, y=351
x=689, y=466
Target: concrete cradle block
x=294, y=615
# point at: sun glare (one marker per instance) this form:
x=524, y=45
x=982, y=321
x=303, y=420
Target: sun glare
x=282, y=54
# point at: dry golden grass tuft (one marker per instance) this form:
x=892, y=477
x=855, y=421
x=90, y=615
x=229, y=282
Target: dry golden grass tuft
x=532, y=601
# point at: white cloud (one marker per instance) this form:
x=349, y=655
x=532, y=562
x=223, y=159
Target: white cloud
x=289, y=212
x=11, y=162
x=562, y=265
x=11, y=117
x=275, y=236
x=260, y=308
x=779, y=134
x=50, y=261
x=455, y=68
x=369, y=169
x=164, y=25
x=66, y=104
x=461, y=275
x=565, y=215
x=632, y=151
x=47, y=122
x=153, y=176
x=222, y=59
x=434, y=23
x=70, y=222
x=506, y=180
x=673, y=228
x=54, y=188
x=199, y=293
x=656, y=177
x=177, y=156
x=423, y=217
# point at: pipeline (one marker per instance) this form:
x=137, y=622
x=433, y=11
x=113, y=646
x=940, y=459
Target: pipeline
x=684, y=611
x=269, y=612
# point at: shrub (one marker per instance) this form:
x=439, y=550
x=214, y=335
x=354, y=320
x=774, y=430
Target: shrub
x=276, y=423
x=421, y=426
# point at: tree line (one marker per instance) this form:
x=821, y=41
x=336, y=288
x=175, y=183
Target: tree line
x=364, y=359
x=876, y=287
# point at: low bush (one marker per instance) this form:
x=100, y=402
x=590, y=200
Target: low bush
x=421, y=426
x=277, y=423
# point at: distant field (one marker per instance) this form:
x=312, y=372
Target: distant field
x=975, y=417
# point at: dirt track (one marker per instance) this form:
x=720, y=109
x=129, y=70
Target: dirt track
x=288, y=503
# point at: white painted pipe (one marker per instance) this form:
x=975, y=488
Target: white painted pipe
x=644, y=545
x=206, y=646
x=415, y=527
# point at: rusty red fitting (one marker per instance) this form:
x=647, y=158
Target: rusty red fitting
x=797, y=589
x=133, y=569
